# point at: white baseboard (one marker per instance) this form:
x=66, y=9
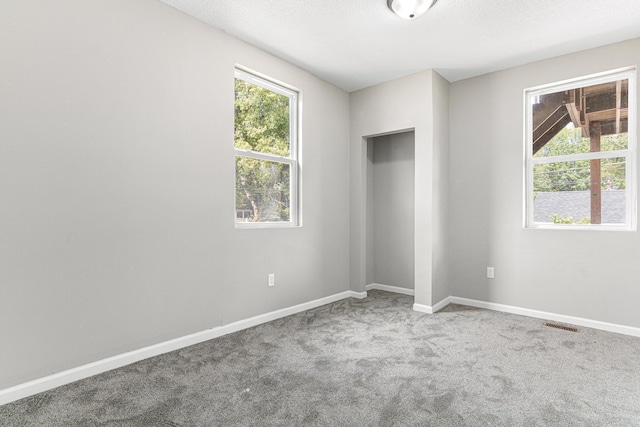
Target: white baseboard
x=442, y=304
x=388, y=288
x=578, y=321
x=430, y=309
x=358, y=295
x=74, y=374
x=65, y=377
x=423, y=308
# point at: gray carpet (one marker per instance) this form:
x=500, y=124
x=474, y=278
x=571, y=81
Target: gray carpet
x=371, y=362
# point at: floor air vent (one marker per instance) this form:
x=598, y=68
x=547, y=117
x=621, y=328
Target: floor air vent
x=559, y=326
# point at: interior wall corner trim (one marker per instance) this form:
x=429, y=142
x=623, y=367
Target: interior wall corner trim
x=358, y=295
x=422, y=308
x=430, y=309
x=389, y=288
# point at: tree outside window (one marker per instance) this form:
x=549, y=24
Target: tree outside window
x=265, y=125
x=580, y=149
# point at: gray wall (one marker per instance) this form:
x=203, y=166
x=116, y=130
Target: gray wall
x=441, y=160
x=399, y=105
x=594, y=275
x=408, y=103
x=393, y=193
x=370, y=217
x=117, y=185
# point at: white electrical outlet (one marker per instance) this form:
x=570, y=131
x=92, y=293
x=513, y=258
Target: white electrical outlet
x=272, y=280
x=491, y=273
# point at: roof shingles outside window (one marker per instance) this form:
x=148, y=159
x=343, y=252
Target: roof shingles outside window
x=576, y=205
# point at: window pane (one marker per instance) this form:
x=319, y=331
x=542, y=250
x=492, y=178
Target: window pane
x=573, y=121
x=563, y=192
x=262, y=190
x=570, y=141
x=261, y=120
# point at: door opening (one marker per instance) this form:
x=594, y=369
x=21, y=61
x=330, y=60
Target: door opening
x=390, y=217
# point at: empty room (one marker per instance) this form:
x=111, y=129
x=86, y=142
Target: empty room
x=297, y=212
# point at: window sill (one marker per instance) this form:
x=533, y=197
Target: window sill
x=255, y=225
x=603, y=227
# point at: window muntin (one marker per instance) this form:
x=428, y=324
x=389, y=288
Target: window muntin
x=570, y=141
x=580, y=153
x=265, y=141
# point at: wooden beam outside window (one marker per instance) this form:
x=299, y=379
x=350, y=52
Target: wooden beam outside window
x=596, y=175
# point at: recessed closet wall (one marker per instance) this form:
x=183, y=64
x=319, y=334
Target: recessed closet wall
x=390, y=210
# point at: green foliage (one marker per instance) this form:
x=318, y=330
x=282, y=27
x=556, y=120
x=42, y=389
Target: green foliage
x=262, y=125
x=557, y=219
x=585, y=220
x=261, y=119
x=575, y=175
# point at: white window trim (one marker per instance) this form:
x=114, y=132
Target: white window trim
x=292, y=160
x=630, y=154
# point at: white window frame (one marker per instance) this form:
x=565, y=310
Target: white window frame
x=292, y=160
x=629, y=154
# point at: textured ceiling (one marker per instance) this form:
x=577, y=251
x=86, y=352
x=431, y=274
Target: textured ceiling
x=358, y=43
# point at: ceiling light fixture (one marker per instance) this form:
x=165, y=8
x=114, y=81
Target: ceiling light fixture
x=410, y=9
